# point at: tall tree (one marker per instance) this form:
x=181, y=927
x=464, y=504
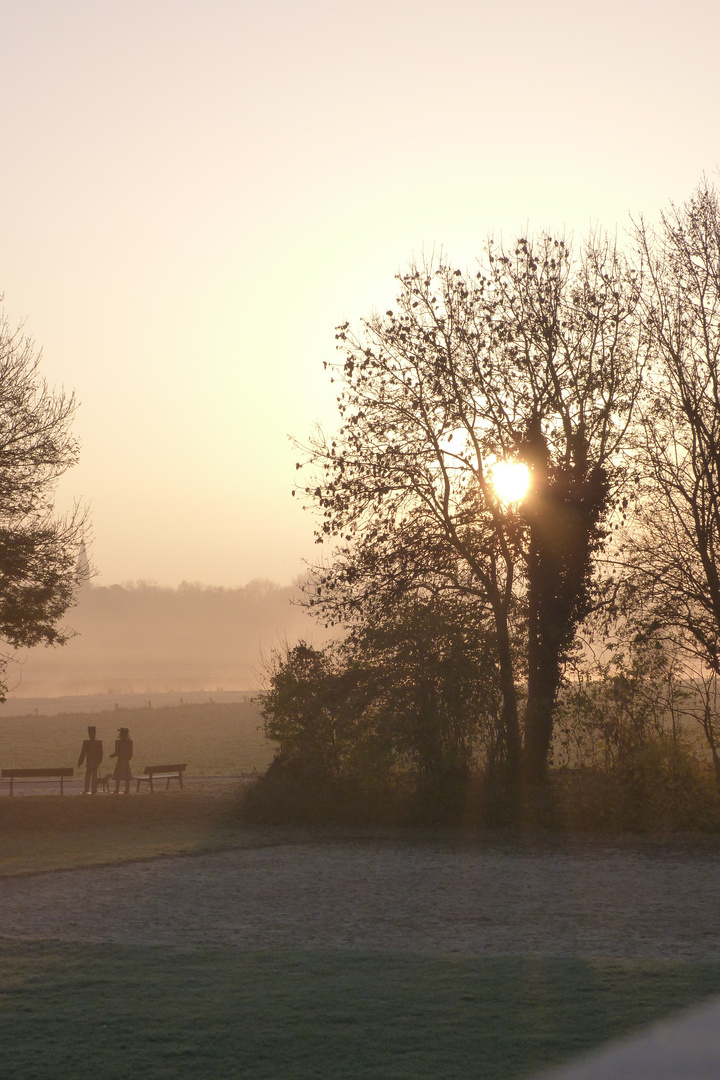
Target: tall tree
x=38, y=550
x=537, y=359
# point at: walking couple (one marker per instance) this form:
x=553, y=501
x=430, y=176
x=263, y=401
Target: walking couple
x=92, y=754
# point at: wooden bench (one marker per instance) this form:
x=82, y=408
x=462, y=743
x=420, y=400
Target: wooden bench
x=37, y=776
x=161, y=772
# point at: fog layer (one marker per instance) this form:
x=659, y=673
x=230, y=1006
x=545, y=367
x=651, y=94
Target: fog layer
x=143, y=638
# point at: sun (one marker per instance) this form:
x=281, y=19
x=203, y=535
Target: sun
x=511, y=480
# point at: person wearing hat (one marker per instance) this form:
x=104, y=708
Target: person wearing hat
x=123, y=753
x=92, y=755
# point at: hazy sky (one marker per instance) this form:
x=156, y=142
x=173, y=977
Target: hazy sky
x=193, y=193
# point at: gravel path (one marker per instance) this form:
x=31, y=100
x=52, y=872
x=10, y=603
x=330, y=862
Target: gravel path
x=631, y=900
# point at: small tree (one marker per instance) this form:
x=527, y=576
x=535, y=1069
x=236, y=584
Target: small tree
x=409, y=698
x=314, y=711
x=38, y=551
x=617, y=707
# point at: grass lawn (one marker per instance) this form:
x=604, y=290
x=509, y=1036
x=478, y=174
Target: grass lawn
x=39, y=833
x=71, y=1011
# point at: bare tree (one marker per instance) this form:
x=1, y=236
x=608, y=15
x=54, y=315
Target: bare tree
x=676, y=547
x=680, y=541
x=38, y=551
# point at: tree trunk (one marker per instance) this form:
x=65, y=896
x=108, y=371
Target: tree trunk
x=563, y=512
x=538, y=721
x=509, y=714
x=504, y=783
x=543, y=650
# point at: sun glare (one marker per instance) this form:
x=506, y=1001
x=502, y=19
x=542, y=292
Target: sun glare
x=511, y=479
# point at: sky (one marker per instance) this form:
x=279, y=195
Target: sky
x=194, y=193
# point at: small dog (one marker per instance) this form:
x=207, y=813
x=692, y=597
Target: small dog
x=103, y=783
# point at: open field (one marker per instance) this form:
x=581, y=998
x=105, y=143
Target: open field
x=267, y=953
x=215, y=738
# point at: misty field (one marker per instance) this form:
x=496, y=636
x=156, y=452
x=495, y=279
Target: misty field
x=306, y=953
x=214, y=738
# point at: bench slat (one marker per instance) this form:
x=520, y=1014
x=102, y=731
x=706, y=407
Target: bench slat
x=63, y=771
x=152, y=769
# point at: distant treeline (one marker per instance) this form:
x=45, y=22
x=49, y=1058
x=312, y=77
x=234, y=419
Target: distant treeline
x=140, y=637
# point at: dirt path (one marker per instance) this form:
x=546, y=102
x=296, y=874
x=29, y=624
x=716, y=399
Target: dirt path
x=432, y=895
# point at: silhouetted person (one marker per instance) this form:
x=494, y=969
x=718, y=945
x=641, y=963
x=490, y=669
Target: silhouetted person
x=92, y=755
x=123, y=753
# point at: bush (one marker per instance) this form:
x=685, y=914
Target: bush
x=294, y=791
x=661, y=787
